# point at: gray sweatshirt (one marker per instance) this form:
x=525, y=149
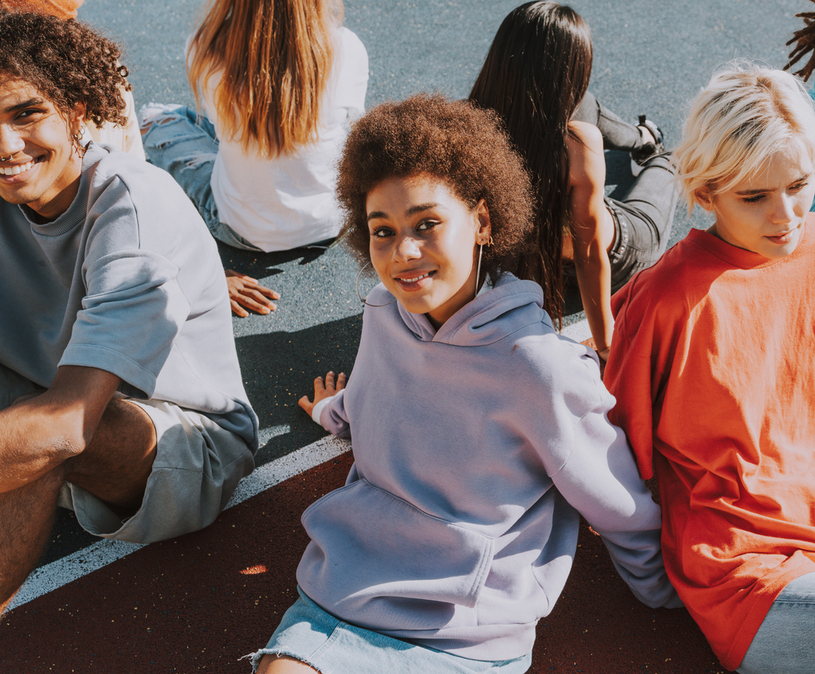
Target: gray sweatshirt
x=476, y=449
x=127, y=280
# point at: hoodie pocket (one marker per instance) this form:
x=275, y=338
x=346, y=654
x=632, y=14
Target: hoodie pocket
x=377, y=561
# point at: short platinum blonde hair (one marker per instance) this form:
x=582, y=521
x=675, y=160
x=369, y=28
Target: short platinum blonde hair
x=744, y=115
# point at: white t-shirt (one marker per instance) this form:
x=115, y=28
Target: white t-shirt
x=127, y=280
x=288, y=201
x=125, y=138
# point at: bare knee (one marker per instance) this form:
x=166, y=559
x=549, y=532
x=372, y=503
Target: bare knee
x=117, y=462
x=283, y=664
x=147, y=123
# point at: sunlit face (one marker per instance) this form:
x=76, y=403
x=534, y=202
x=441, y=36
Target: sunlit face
x=40, y=166
x=765, y=213
x=423, y=244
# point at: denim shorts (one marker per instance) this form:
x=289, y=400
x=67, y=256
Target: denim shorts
x=785, y=642
x=309, y=634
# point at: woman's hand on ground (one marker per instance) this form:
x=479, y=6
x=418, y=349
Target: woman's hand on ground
x=247, y=293
x=323, y=390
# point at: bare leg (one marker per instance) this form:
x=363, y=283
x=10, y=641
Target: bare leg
x=282, y=664
x=118, y=460
x=26, y=519
x=114, y=467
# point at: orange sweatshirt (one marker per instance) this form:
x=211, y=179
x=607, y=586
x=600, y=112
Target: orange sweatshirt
x=63, y=9
x=713, y=368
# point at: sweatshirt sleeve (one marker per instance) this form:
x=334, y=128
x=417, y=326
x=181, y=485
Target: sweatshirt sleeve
x=333, y=416
x=596, y=473
x=600, y=480
x=134, y=306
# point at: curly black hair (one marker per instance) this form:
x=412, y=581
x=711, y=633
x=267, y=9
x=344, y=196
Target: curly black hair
x=67, y=62
x=804, y=40
x=464, y=146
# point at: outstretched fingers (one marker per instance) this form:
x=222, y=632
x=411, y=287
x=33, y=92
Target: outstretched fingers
x=246, y=292
x=332, y=386
x=323, y=389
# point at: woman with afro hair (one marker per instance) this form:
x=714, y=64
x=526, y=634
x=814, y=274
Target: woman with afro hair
x=479, y=434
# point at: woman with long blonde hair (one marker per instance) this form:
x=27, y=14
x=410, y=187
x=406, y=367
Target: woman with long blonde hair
x=278, y=81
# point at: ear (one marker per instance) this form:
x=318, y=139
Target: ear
x=482, y=236
x=704, y=198
x=76, y=117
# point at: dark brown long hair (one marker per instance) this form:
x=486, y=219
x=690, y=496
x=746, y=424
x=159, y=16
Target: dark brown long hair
x=535, y=75
x=804, y=39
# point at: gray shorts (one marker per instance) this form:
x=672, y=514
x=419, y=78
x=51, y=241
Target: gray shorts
x=198, y=465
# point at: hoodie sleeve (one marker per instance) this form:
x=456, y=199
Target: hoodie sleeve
x=600, y=480
x=591, y=465
x=331, y=415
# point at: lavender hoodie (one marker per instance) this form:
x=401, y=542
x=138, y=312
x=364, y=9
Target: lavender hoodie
x=476, y=449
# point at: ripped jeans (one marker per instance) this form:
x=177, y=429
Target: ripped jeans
x=184, y=144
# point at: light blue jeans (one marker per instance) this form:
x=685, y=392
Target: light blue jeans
x=184, y=144
x=785, y=642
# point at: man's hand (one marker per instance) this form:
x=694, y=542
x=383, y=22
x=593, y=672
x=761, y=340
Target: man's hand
x=244, y=291
x=323, y=391
x=41, y=431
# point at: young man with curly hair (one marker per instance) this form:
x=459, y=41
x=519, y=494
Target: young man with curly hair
x=120, y=392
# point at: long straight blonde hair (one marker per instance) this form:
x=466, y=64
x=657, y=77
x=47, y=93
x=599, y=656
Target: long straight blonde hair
x=274, y=58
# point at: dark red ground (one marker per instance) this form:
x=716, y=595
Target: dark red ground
x=200, y=602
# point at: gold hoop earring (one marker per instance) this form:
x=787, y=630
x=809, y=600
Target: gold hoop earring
x=365, y=300
x=78, y=146
x=478, y=267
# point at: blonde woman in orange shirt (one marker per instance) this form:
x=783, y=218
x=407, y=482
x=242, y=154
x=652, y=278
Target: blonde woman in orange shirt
x=713, y=370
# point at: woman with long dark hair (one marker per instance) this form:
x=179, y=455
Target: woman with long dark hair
x=536, y=76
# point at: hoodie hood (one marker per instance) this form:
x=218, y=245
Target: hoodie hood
x=491, y=316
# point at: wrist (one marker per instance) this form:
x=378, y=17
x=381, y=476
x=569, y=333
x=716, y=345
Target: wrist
x=318, y=408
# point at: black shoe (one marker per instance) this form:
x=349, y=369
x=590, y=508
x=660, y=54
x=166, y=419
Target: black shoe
x=648, y=150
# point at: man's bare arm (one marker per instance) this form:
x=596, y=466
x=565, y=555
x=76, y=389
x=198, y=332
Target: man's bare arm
x=40, y=432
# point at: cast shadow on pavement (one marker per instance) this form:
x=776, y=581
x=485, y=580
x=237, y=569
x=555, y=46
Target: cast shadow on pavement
x=275, y=384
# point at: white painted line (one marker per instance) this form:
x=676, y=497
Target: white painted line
x=56, y=574
x=579, y=331
x=275, y=472
x=63, y=571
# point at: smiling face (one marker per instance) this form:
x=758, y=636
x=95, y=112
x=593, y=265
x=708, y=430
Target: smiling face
x=765, y=213
x=40, y=166
x=423, y=244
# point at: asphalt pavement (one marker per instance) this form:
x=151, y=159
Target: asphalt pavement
x=651, y=56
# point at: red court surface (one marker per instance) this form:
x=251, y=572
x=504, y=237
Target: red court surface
x=200, y=602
